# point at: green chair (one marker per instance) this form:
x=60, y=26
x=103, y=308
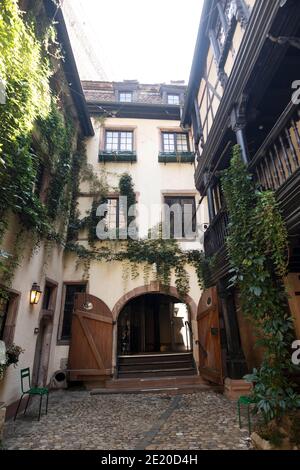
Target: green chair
x=30, y=391
x=245, y=401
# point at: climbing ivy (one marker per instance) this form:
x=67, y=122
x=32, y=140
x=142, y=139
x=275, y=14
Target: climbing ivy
x=257, y=245
x=25, y=71
x=159, y=256
x=34, y=132
x=126, y=188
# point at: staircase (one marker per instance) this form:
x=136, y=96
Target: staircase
x=156, y=365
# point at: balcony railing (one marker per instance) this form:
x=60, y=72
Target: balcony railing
x=274, y=164
x=176, y=157
x=279, y=156
x=215, y=236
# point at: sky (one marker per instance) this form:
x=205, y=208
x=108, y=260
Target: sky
x=149, y=41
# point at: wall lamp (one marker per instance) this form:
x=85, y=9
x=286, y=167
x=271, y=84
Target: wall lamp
x=35, y=294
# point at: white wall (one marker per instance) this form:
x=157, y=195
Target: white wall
x=106, y=280
x=45, y=262
x=151, y=180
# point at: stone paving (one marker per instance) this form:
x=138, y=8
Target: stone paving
x=77, y=420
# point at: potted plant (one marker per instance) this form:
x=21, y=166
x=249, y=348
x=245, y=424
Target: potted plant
x=8, y=357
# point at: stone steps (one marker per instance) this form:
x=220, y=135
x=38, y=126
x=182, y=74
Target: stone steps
x=154, y=382
x=170, y=385
x=156, y=365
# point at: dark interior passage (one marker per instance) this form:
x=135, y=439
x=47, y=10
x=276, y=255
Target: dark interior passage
x=153, y=323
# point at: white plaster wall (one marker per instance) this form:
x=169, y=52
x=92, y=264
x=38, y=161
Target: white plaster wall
x=44, y=262
x=106, y=281
x=151, y=179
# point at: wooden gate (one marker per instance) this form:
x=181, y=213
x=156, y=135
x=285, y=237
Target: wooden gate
x=90, y=355
x=210, y=356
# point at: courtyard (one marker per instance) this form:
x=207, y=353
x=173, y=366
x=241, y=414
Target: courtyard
x=77, y=420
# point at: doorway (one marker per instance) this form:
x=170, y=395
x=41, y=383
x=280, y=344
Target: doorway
x=154, y=324
x=43, y=343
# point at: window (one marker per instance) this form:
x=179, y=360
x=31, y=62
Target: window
x=4, y=306
x=114, y=217
x=8, y=315
x=70, y=291
x=173, y=99
x=49, y=296
x=181, y=216
x=125, y=96
x=175, y=142
x=119, y=141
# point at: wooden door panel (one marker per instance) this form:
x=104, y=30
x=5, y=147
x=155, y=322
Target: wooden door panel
x=210, y=358
x=92, y=334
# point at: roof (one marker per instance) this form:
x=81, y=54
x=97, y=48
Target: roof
x=200, y=52
x=149, y=101
x=70, y=68
x=143, y=93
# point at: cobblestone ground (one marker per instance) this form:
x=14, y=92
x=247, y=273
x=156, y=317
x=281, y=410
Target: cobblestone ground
x=77, y=420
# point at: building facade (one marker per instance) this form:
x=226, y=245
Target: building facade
x=137, y=133
x=242, y=91
x=112, y=309
x=30, y=260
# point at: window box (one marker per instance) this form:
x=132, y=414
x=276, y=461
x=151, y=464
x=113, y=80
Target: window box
x=176, y=157
x=117, y=156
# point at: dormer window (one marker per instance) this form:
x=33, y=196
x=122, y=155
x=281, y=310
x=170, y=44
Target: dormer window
x=173, y=99
x=125, y=96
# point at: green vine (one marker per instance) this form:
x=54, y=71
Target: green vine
x=35, y=136
x=157, y=255
x=26, y=72
x=257, y=245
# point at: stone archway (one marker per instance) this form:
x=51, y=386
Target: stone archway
x=152, y=288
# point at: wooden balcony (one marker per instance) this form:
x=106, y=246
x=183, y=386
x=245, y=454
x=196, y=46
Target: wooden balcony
x=278, y=159
x=215, y=236
x=276, y=166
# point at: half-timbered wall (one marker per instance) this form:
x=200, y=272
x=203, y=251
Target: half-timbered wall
x=225, y=31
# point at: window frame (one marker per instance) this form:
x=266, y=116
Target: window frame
x=175, y=133
x=9, y=327
x=115, y=198
x=181, y=197
x=119, y=132
x=125, y=93
x=169, y=95
x=60, y=340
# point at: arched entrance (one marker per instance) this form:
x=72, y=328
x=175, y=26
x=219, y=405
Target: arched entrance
x=154, y=337
x=154, y=323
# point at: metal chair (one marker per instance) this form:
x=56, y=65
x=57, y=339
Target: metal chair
x=247, y=401
x=30, y=391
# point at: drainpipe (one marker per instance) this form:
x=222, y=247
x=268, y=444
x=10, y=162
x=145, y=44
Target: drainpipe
x=211, y=209
x=238, y=124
